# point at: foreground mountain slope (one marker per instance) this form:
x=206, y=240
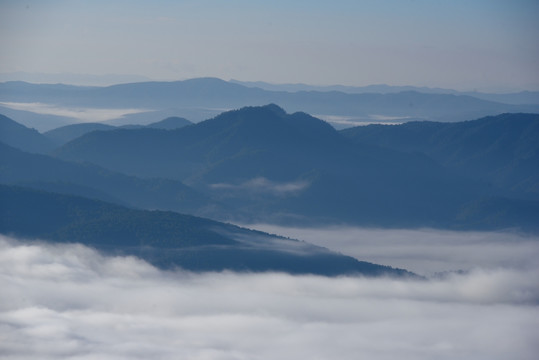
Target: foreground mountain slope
x=274, y=166
x=502, y=150
x=21, y=137
x=167, y=239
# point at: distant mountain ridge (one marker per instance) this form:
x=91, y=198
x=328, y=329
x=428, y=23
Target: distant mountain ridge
x=200, y=97
x=514, y=98
x=67, y=133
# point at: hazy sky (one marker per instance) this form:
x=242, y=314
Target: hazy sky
x=462, y=44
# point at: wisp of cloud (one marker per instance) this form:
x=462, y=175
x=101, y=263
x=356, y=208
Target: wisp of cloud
x=69, y=301
x=265, y=186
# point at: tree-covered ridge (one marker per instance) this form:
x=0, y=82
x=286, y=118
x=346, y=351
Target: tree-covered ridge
x=166, y=239
x=502, y=150
x=272, y=166
x=23, y=138
x=84, y=179
x=261, y=164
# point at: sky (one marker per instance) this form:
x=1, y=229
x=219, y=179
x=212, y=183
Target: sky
x=486, y=45
x=70, y=302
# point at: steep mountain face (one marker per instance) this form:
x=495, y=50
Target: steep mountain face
x=273, y=166
x=167, y=239
x=44, y=172
x=502, y=150
x=21, y=137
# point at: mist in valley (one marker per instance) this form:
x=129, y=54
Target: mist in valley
x=69, y=301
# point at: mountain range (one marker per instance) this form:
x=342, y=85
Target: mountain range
x=262, y=164
x=115, y=188
x=500, y=150
x=278, y=166
x=202, y=98
x=514, y=98
x=64, y=134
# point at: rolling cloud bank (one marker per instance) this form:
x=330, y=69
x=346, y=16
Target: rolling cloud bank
x=424, y=251
x=68, y=301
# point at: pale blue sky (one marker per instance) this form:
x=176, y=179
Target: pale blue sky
x=489, y=45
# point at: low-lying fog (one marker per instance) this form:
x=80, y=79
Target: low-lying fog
x=425, y=251
x=82, y=114
x=67, y=301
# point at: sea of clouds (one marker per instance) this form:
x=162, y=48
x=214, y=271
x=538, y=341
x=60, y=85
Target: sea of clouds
x=70, y=302
x=425, y=251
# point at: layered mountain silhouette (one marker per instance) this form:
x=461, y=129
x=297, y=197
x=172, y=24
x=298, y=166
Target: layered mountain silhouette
x=64, y=134
x=23, y=138
x=195, y=98
x=501, y=150
x=167, y=239
x=268, y=165
x=47, y=173
x=115, y=186
x=518, y=98
x=261, y=164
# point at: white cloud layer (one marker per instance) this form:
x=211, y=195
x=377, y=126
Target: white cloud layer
x=81, y=114
x=67, y=301
x=425, y=251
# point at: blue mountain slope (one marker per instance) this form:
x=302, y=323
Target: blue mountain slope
x=502, y=150
x=168, y=239
x=273, y=166
x=21, y=137
x=67, y=133
x=44, y=172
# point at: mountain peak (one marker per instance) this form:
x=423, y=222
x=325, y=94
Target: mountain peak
x=170, y=123
x=275, y=108
x=269, y=125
